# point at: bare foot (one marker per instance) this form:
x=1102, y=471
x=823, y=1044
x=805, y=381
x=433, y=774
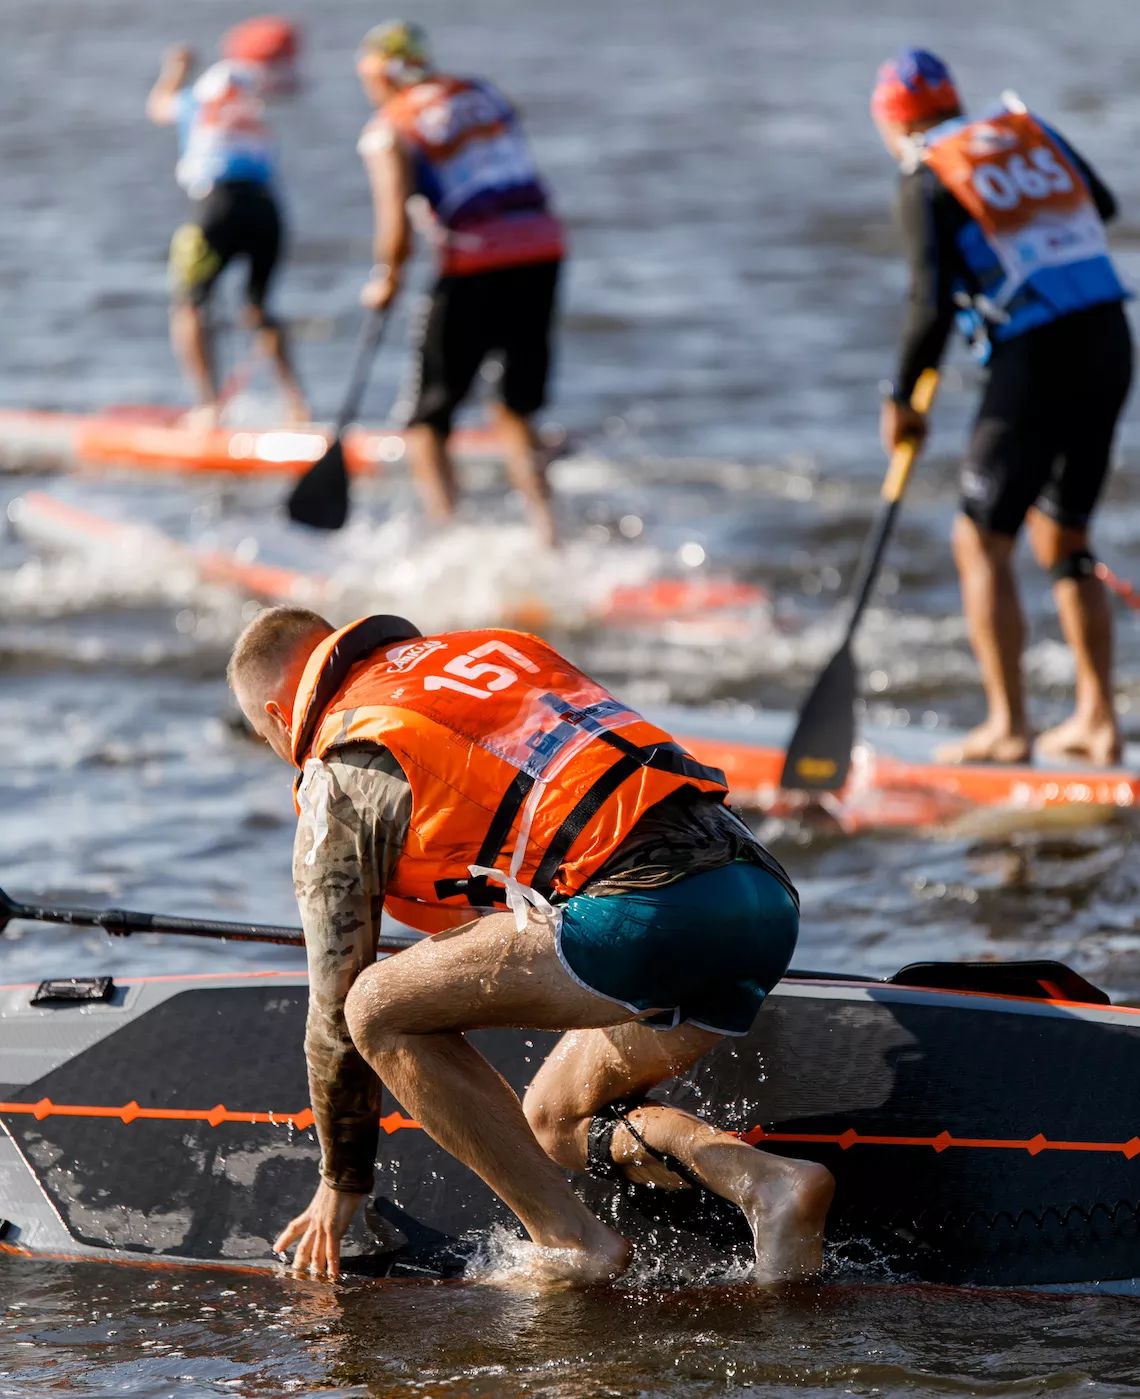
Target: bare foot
x=532, y=1267
x=987, y=744
x=786, y=1217
x=1077, y=738
x=297, y=413
x=204, y=418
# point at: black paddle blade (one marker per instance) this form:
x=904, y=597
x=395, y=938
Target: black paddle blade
x=819, y=755
x=320, y=497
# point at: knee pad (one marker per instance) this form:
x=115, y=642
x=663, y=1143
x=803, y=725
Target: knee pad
x=1078, y=565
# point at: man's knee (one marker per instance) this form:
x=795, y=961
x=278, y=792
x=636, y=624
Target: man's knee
x=1062, y=550
x=368, y=1013
x=562, y=1137
x=973, y=545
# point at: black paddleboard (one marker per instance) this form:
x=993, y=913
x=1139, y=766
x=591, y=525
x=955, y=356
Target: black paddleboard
x=981, y=1124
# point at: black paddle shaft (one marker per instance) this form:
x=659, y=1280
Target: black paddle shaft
x=863, y=585
x=320, y=499
x=121, y=922
x=367, y=344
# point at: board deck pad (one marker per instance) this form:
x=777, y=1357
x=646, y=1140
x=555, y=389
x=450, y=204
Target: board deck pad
x=974, y=1138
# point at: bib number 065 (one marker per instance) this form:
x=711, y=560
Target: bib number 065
x=472, y=666
x=1036, y=178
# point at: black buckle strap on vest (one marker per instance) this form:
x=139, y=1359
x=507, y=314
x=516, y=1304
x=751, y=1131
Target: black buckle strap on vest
x=357, y=644
x=478, y=892
x=663, y=757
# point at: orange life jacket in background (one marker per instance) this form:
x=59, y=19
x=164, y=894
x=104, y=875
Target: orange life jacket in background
x=472, y=164
x=516, y=759
x=1036, y=244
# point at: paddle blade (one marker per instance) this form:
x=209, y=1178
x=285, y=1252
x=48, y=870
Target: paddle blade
x=320, y=497
x=819, y=756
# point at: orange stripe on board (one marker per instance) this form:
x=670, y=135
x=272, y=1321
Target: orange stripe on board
x=395, y=1122
x=215, y=1116
x=1034, y=1145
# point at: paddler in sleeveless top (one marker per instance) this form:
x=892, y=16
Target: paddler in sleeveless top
x=457, y=144
x=227, y=167
x=1003, y=224
x=579, y=871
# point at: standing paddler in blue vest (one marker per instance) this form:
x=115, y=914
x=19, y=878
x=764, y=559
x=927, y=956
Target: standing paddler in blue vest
x=227, y=168
x=1003, y=224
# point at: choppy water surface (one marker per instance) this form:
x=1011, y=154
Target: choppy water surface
x=730, y=308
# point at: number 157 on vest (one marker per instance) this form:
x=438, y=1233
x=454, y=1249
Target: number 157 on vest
x=471, y=666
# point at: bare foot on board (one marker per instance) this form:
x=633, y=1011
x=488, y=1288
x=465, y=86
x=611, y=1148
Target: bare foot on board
x=786, y=1217
x=531, y=1267
x=987, y=744
x=204, y=418
x=1098, y=744
x=297, y=413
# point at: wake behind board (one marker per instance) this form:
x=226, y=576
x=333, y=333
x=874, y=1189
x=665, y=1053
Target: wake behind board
x=977, y=1136
x=896, y=778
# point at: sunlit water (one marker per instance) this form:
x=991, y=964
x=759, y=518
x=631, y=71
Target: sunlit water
x=729, y=310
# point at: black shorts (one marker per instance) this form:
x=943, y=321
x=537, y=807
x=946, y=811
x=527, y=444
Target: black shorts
x=508, y=311
x=234, y=220
x=1044, y=431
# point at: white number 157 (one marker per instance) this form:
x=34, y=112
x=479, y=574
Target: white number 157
x=471, y=667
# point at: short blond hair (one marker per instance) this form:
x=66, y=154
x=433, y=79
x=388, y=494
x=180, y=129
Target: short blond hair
x=262, y=653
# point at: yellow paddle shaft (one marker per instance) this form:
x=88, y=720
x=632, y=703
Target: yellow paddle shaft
x=902, y=458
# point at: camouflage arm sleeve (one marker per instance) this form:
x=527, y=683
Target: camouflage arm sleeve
x=356, y=807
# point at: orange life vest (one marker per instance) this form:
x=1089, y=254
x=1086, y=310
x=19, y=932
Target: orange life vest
x=1042, y=251
x=472, y=164
x=516, y=760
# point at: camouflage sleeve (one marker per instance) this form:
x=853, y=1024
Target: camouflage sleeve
x=355, y=810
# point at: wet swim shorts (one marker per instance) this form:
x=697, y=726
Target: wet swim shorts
x=703, y=951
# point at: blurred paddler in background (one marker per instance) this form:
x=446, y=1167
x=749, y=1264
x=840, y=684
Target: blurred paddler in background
x=227, y=167
x=457, y=143
x=1003, y=226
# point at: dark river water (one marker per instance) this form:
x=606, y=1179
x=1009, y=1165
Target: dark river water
x=730, y=308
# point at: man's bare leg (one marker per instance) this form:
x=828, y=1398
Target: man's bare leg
x=432, y=471
x=785, y=1201
x=406, y=1016
x=1083, y=607
x=526, y=469
x=273, y=341
x=190, y=339
x=997, y=635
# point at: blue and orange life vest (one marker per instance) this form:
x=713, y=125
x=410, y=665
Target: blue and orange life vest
x=473, y=166
x=517, y=761
x=222, y=130
x=1034, y=242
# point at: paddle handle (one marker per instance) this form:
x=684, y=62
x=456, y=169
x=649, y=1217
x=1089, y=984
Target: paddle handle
x=903, y=456
x=368, y=342
x=122, y=922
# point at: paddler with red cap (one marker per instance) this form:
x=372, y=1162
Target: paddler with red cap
x=458, y=144
x=580, y=872
x=227, y=168
x=1003, y=224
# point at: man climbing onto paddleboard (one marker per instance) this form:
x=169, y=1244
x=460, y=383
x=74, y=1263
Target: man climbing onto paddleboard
x=581, y=872
x=457, y=144
x=1003, y=224
x=227, y=168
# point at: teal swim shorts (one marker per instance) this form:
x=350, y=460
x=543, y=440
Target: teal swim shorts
x=704, y=951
